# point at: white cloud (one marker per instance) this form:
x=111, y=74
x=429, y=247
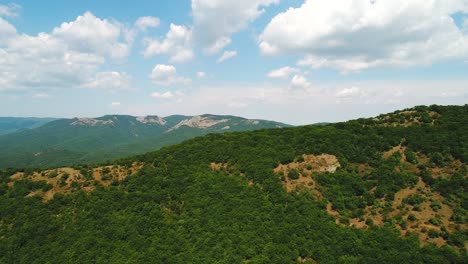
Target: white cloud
x=10, y=10
x=300, y=82
x=166, y=95
x=41, y=95
x=115, y=104
x=300, y=107
x=354, y=35
x=227, y=55
x=110, y=80
x=201, y=74
x=146, y=22
x=177, y=44
x=89, y=34
x=214, y=21
x=283, y=72
x=167, y=75
x=218, y=45
x=69, y=57
x=7, y=31
x=348, y=92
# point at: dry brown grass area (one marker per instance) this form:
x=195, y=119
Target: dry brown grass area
x=427, y=216
x=423, y=215
x=311, y=164
x=218, y=166
x=399, y=148
x=421, y=225
x=67, y=180
x=306, y=260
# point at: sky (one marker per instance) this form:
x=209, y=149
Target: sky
x=298, y=62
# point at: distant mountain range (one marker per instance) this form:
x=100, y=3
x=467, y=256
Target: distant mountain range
x=14, y=124
x=84, y=140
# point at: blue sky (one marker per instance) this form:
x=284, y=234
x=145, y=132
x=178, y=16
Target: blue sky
x=293, y=61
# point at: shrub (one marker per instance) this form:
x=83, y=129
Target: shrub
x=293, y=174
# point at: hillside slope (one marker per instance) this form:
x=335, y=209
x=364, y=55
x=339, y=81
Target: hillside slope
x=14, y=124
x=390, y=189
x=84, y=140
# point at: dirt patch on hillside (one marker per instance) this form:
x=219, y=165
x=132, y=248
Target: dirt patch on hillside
x=218, y=166
x=66, y=180
x=431, y=214
x=429, y=217
x=399, y=148
x=298, y=175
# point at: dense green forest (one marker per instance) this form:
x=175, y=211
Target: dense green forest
x=179, y=209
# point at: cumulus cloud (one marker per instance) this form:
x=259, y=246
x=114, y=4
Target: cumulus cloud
x=214, y=21
x=70, y=56
x=354, y=35
x=227, y=55
x=177, y=44
x=90, y=34
x=201, y=74
x=283, y=72
x=146, y=22
x=300, y=82
x=167, y=75
x=10, y=10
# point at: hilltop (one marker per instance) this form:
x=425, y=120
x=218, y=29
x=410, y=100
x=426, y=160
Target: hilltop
x=389, y=189
x=94, y=140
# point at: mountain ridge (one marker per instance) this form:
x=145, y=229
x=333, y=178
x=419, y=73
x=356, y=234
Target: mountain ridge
x=13, y=124
x=84, y=139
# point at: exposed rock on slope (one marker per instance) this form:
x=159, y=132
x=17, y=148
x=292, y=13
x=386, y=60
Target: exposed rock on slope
x=84, y=121
x=198, y=122
x=151, y=119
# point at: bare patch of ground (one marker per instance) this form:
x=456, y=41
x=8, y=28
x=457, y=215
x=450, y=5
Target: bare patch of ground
x=218, y=166
x=399, y=148
x=66, y=180
x=433, y=214
x=305, y=169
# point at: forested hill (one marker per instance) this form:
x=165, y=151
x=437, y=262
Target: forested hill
x=90, y=140
x=14, y=124
x=389, y=189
